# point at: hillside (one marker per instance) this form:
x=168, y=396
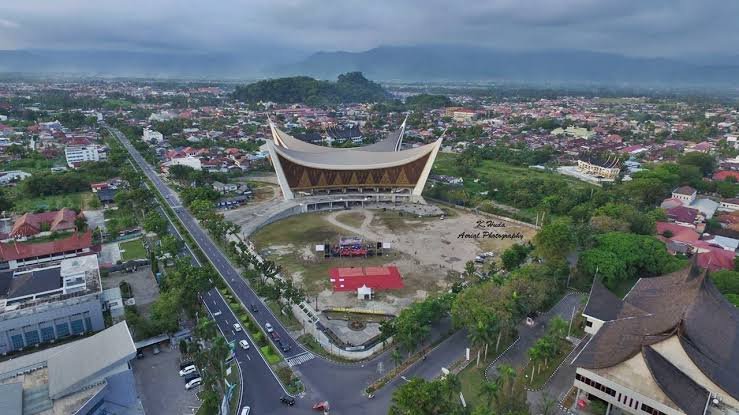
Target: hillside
x=349, y=87
x=461, y=63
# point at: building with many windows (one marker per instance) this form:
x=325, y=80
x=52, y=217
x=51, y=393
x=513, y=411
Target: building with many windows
x=670, y=347
x=49, y=302
x=80, y=153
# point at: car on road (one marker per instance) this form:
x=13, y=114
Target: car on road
x=275, y=336
x=268, y=327
x=253, y=308
x=188, y=370
x=245, y=410
x=194, y=383
x=244, y=345
x=237, y=327
x=285, y=347
x=287, y=400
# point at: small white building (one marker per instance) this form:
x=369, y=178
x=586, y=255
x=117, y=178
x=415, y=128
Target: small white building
x=153, y=137
x=685, y=193
x=731, y=205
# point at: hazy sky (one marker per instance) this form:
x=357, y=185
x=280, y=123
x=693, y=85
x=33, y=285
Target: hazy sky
x=633, y=27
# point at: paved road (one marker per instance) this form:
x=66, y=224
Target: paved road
x=341, y=384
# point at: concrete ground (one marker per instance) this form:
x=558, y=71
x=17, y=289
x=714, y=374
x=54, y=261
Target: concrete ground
x=110, y=253
x=355, y=337
x=95, y=219
x=143, y=284
x=160, y=386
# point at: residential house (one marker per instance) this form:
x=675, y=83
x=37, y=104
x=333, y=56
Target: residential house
x=685, y=193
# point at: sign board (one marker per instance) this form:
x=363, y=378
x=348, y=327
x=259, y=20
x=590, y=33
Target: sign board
x=319, y=248
x=467, y=354
x=387, y=245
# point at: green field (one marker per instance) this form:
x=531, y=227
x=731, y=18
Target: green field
x=74, y=201
x=132, y=250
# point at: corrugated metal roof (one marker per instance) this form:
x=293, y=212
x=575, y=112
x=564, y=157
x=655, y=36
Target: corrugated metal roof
x=74, y=367
x=11, y=399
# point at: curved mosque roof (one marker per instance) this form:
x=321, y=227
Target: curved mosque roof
x=384, y=153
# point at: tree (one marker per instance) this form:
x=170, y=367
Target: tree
x=555, y=240
x=511, y=397
x=489, y=390
x=154, y=222
x=547, y=405
x=169, y=244
x=469, y=270
x=705, y=162
x=397, y=357
x=421, y=397
x=514, y=256
x=80, y=223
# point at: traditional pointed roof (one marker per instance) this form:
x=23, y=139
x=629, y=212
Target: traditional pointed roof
x=684, y=304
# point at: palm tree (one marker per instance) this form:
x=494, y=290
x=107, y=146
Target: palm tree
x=558, y=327
x=453, y=384
x=489, y=390
x=205, y=329
x=397, y=357
x=535, y=354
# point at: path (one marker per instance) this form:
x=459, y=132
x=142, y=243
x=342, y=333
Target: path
x=517, y=356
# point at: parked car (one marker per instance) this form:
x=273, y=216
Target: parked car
x=237, y=327
x=186, y=364
x=194, y=383
x=268, y=327
x=191, y=377
x=188, y=370
x=244, y=345
x=287, y=400
x=245, y=410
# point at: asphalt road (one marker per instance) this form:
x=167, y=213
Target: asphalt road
x=340, y=384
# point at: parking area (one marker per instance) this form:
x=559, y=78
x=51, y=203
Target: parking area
x=161, y=388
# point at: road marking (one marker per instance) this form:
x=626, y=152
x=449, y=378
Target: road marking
x=300, y=359
x=247, y=356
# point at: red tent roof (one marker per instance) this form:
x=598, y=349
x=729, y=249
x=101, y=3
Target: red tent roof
x=377, y=278
x=17, y=250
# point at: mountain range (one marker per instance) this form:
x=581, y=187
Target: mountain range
x=403, y=63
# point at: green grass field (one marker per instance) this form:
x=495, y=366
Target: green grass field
x=75, y=201
x=132, y=250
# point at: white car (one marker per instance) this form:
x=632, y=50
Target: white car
x=244, y=345
x=193, y=383
x=188, y=370
x=245, y=410
x=268, y=327
x=237, y=327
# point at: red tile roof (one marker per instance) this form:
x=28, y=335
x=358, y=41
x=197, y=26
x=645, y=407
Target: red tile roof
x=31, y=223
x=377, y=278
x=22, y=250
x=725, y=174
x=679, y=233
x=716, y=259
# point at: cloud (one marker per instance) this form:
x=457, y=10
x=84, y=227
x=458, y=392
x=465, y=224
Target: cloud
x=634, y=27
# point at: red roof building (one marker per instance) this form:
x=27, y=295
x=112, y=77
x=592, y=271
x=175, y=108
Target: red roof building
x=376, y=278
x=725, y=174
x=32, y=223
x=17, y=253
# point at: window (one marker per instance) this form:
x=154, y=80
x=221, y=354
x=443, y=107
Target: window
x=32, y=337
x=589, y=323
x=62, y=329
x=17, y=340
x=88, y=324
x=78, y=327
x=648, y=409
x=596, y=385
x=47, y=334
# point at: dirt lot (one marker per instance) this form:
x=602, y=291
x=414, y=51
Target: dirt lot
x=426, y=250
